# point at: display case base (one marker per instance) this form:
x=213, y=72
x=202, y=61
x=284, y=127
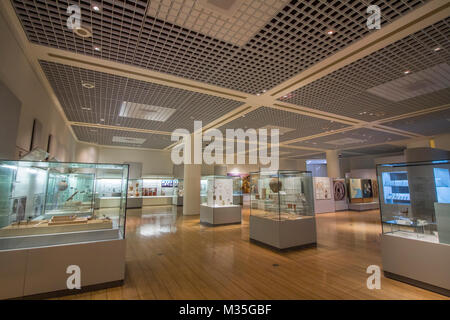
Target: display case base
x=29, y=272
x=134, y=203
x=178, y=201
x=417, y=262
x=215, y=216
x=363, y=206
x=157, y=201
x=283, y=234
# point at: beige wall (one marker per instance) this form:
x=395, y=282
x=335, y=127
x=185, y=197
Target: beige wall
x=18, y=75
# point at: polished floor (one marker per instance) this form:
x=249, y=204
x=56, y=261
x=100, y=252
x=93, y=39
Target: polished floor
x=170, y=256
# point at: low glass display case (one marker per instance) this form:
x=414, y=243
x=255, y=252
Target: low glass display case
x=282, y=208
x=49, y=221
x=415, y=217
x=217, y=205
x=46, y=198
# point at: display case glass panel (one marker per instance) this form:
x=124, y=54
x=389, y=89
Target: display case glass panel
x=178, y=187
x=415, y=200
x=281, y=195
x=219, y=191
x=40, y=201
x=155, y=186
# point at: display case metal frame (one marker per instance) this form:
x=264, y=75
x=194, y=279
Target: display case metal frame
x=415, y=242
x=279, y=227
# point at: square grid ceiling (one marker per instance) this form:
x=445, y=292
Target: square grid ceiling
x=291, y=153
x=130, y=103
x=348, y=139
x=162, y=36
x=302, y=125
x=120, y=138
x=353, y=90
x=428, y=124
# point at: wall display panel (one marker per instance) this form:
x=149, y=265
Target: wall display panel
x=355, y=189
x=366, y=185
x=322, y=188
x=396, y=187
x=442, y=180
x=154, y=186
x=39, y=200
x=340, y=191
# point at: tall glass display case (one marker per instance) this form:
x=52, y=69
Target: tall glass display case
x=237, y=190
x=217, y=204
x=282, y=208
x=415, y=216
x=178, y=192
x=50, y=207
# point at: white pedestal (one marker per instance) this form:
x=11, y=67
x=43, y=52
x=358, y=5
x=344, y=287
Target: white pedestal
x=27, y=272
x=285, y=233
x=220, y=215
x=421, y=263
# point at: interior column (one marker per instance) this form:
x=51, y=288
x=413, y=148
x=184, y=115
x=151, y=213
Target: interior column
x=333, y=165
x=191, y=199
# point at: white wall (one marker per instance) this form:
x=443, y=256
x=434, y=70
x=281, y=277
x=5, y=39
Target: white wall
x=443, y=141
x=18, y=75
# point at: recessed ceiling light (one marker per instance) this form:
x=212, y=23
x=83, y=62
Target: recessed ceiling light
x=88, y=85
x=85, y=108
x=407, y=72
x=102, y=120
x=258, y=94
x=96, y=7
x=437, y=49
x=97, y=48
x=330, y=32
x=264, y=91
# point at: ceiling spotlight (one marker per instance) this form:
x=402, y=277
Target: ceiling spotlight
x=83, y=31
x=330, y=32
x=407, y=72
x=85, y=108
x=97, y=48
x=102, y=120
x=88, y=85
x=96, y=7
x=258, y=94
x=437, y=49
x=264, y=91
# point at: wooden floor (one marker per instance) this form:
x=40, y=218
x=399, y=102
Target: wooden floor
x=174, y=257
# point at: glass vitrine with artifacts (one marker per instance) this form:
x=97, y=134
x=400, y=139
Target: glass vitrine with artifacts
x=39, y=200
x=416, y=200
x=281, y=195
x=135, y=188
x=178, y=192
x=217, y=206
x=282, y=208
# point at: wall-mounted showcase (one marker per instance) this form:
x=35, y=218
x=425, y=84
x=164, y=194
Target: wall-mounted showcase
x=282, y=208
x=48, y=215
x=217, y=205
x=178, y=192
x=415, y=215
x=157, y=190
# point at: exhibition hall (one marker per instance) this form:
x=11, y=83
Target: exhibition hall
x=224, y=150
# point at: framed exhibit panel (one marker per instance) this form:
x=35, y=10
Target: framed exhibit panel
x=323, y=195
x=415, y=216
x=340, y=194
x=157, y=190
x=282, y=208
x=49, y=207
x=217, y=207
x=361, y=194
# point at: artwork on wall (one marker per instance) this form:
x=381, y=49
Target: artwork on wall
x=367, y=188
x=355, y=189
x=339, y=190
x=323, y=188
x=246, y=183
x=375, y=188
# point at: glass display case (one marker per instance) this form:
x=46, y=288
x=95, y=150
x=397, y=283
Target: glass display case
x=282, y=208
x=415, y=217
x=178, y=192
x=49, y=221
x=415, y=200
x=157, y=190
x=217, y=205
x=237, y=190
x=41, y=199
x=135, y=188
x=282, y=195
